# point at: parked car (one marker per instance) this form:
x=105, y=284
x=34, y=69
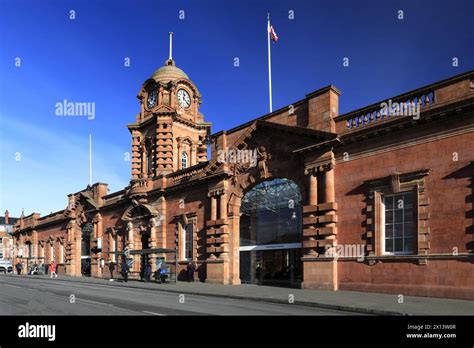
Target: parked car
x=6, y=266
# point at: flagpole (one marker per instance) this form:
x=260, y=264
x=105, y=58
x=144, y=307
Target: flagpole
x=90, y=159
x=269, y=64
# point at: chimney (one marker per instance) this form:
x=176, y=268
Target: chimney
x=100, y=190
x=323, y=107
x=6, y=217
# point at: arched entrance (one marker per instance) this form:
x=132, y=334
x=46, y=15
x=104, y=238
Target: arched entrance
x=270, y=234
x=140, y=223
x=86, y=234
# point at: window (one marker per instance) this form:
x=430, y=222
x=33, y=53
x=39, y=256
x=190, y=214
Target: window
x=398, y=224
x=188, y=241
x=184, y=160
x=51, y=252
x=271, y=214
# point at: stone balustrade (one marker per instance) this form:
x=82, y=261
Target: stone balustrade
x=408, y=105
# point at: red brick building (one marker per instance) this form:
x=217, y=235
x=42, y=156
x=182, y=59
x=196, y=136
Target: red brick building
x=6, y=239
x=379, y=199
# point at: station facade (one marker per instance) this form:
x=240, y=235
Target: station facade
x=371, y=200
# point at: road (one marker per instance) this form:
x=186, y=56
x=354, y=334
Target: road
x=33, y=296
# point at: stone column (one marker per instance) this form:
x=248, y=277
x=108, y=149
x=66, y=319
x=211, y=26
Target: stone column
x=136, y=160
x=320, y=271
x=218, y=238
x=73, y=267
x=234, y=241
x=223, y=205
x=213, y=207
x=193, y=159
x=144, y=155
x=328, y=175
x=130, y=235
x=96, y=271
x=154, y=225
x=224, y=236
x=310, y=231
x=313, y=189
x=35, y=246
x=113, y=247
x=179, y=155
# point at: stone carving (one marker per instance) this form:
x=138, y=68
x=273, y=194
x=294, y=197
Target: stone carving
x=263, y=157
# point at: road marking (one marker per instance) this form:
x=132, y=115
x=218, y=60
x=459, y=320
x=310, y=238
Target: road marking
x=94, y=302
x=19, y=287
x=153, y=313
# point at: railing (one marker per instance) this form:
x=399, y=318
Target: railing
x=186, y=174
x=405, y=108
x=138, y=185
x=409, y=104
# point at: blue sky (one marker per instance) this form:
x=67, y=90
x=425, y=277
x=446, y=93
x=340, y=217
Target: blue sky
x=82, y=60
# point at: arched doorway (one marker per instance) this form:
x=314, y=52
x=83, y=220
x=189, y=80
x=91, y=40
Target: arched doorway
x=139, y=220
x=270, y=234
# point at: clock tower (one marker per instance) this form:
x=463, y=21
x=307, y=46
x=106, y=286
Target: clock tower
x=169, y=133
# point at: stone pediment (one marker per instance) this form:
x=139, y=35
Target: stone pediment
x=79, y=204
x=278, y=139
x=164, y=109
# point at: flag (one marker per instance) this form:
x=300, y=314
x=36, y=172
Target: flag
x=273, y=34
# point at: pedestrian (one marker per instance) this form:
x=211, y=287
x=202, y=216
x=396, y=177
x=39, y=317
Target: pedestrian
x=52, y=268
x=111, y=269
x=163, y=272
x=125, y=271
x=18, y=268
x=191, y=268
x=35, y=269
x=147, y=272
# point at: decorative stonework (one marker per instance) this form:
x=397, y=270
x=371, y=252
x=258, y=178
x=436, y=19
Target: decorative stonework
x=319, y=215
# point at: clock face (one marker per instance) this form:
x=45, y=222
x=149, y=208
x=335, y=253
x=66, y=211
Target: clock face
x=151, y=101
x=184, y=100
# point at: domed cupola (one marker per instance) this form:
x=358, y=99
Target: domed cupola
x=169, y=72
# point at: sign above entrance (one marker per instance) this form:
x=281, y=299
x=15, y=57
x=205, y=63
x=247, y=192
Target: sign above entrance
x=271, y=246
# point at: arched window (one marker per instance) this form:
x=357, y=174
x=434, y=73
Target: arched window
x=271, y=214
x=184, y=160
x=271, y=234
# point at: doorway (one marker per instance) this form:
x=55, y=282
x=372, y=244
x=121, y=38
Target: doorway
x=281, y=267
x=144, y=258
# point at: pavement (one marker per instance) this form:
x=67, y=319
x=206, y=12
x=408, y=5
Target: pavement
x=342, y=301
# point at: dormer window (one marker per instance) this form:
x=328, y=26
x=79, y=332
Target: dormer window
x=184, y=160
